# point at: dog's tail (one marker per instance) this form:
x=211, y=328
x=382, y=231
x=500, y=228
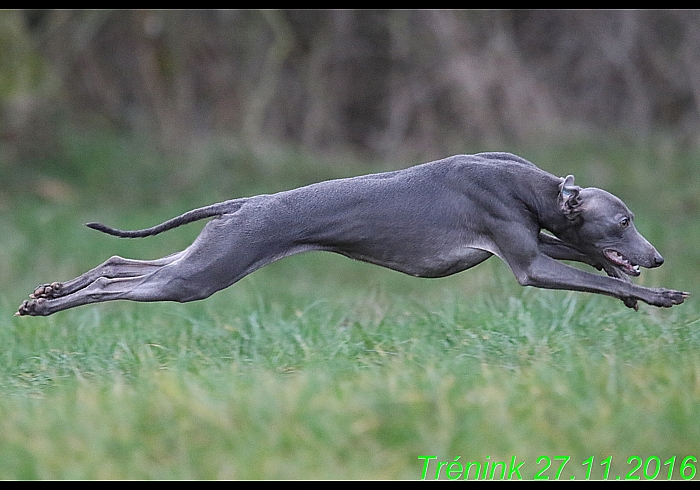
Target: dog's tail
x=188, y=217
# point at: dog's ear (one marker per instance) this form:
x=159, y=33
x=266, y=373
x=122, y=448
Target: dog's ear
x=569, y=198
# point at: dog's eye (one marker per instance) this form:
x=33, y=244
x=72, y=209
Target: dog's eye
x=625, y=222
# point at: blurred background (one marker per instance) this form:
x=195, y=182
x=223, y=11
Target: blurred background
x=316, y=365
x=131, y=117
x=380, y=84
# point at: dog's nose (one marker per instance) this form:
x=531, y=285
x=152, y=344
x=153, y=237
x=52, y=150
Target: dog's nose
x=658, y=259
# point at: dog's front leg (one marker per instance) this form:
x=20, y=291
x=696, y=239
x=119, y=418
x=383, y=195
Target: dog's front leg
x=557, y=249
x=545, y=272
x=519, y=247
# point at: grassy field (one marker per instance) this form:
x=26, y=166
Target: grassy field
x=321, y=367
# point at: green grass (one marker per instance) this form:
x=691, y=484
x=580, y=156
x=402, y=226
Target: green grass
x=321, y=367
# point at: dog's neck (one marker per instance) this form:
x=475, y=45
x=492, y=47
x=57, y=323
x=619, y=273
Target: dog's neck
x=546, y=206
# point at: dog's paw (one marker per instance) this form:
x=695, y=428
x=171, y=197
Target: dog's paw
x=631, y=303
x=667, y=297
x=47, y=291
x=32, y=307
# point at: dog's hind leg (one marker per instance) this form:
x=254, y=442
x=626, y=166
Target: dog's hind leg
x=226, y=250
x=145, y=287
x=191, y=276
x=114, y=267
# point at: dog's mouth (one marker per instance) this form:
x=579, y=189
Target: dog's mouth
x=627, y=266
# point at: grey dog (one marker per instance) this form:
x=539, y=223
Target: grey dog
x=431, y=220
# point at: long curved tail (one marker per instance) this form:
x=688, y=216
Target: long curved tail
x=188, y=217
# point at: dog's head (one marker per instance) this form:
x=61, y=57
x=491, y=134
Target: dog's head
x=602, y=227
